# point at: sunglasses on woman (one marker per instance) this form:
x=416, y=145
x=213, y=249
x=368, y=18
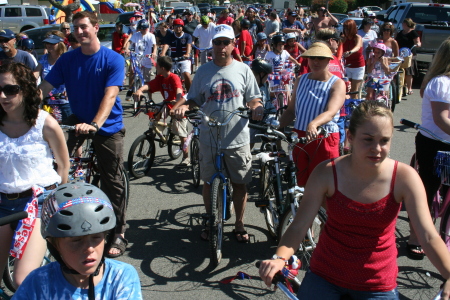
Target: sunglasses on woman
x=10, y=89
x=317, y=57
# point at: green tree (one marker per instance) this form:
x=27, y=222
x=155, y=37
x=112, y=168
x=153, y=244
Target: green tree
x=67, y=9
x=338, y=6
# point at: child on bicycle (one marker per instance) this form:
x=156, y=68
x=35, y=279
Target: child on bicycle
x=78, y=223
x=377, y=66
x=261, y=47
x=171, y=88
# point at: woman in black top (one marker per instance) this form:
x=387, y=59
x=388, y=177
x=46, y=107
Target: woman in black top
x=408, y=37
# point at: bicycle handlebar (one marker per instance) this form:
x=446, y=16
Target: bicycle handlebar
x=13, y=218
x=278, y=280
x=214, y=123
x=72, y=128
x=419, y=127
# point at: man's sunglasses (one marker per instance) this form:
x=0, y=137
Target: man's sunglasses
x=2, y=41
x=10, y=89
x=220, y=42
x=317, y=57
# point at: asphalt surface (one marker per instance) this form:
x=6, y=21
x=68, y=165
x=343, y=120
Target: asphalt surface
x=165, y=224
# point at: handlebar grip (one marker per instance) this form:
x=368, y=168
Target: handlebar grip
x=321, y=130
x=13, y=218
x=409, y=123
x=259, y=127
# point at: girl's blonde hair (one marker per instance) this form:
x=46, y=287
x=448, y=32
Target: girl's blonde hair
x=61, y=46
x=440, y=64
x=365, y=111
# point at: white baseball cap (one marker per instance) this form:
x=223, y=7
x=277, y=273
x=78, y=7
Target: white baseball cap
x=223, y=31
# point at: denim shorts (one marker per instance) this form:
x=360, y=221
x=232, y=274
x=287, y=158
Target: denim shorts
x=9, y=207
x=315, y=287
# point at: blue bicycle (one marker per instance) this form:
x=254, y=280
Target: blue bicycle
x=138, y=77
x=221, y=206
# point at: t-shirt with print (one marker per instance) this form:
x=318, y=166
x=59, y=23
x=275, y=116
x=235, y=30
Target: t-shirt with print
x=167, y=86
x=205, y=35
x=120, y=282
x=46, y=67
x=21, y=57
x=86, y=77
x=143, y=45
x=220, y=90
x=436, y=91
x=178, y=44
x=277, y=60
x=367, y=37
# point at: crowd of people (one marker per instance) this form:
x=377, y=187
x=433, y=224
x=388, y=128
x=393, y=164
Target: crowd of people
x=233, y=55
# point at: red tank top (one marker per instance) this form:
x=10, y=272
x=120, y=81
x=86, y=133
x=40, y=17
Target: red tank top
x=357, y=248
x=293, y=51
x=356, y=60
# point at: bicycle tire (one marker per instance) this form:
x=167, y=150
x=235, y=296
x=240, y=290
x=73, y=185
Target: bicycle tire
x=271, y=215
x=174, y=146
x=444, y=227
x=281, y=98
x=216, y=222
x=195, y=163
x=392, y=95
x=126, y=184
x=9, y=269
x=141, y=156
x=230, y=204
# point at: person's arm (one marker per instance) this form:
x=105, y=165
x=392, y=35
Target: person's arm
x=441, y=112
x=337, y=98
x=294, y=61
x=369, y=64
x=126, y=43
x=181, y=107
x=385, y=65
x=145, y=88
x=315, y=191
x=257, y=109
x=243, y=43
x=417, y=42
x=164, y=49
x=395, y=50
x=302, y=49
x=54, y=136
x=355, y=49
x=188, y=50
x=289, y=114
x=333, y=19
x=413, y=194
x=45, y=88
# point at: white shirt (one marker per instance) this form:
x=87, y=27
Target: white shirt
x=204, y=35
x=144, y=46
x=366, y=39
x=277, y=60
x=437, y=90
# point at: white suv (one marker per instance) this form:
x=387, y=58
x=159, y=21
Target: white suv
x=22, y=17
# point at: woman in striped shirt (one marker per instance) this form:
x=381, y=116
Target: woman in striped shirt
x=318, y=97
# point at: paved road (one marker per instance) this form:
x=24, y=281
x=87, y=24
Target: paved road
x=164, y=228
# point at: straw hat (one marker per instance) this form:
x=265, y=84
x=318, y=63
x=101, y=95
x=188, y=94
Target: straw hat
x=318, y=49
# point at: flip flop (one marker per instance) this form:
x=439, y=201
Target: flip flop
x=414, y=255
x=239, y=235
x=121, y=244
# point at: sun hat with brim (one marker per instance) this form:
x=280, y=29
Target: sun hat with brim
x=223, y=31
x=53, y=39
x=318, y=50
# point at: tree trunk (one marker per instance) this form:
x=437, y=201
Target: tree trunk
x=67, y=9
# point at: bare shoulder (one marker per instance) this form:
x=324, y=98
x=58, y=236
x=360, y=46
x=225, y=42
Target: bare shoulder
x=407, y=181
x=51, y=126
x=322, y=177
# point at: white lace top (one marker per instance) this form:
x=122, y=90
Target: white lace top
x=26, y=160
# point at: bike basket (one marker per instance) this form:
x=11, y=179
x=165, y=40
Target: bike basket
x=406, y=62
x=442, y=166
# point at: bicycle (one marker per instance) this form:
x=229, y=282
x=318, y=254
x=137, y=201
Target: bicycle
x=279, y=210
x=405, y=55
x=136, y=76
x=286, y=281
x=194, y=143
x=441, y=202
x=177, y=70
x=221, y=206
x=85, y=168
x=142, y=151
x=281, y=85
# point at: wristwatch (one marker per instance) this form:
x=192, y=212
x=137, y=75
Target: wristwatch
x=95, y=125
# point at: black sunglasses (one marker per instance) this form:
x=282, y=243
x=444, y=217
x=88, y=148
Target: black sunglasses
x=317, y=57
x=220, y=42
x=10, y=89
x=386, y=29
x=2, y=41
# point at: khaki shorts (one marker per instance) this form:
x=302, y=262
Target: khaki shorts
x=237, y=161
x=179, y=127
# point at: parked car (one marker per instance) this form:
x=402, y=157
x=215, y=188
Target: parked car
x=168, y=9
x=125, y=18
x=340, y=25
x=38, y=35
x=433, y=26
x=181, y=10
x=373, y=8
x=340, y=16
x=382, y=14
x=19, y=18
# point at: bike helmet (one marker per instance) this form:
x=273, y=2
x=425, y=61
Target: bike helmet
x=27, y=44
x=178, y=22
x=143, y=24
x=290, y=35
x=261, y=66
x=245, y=23
x=380, y=46
x=204, y=20
x=278, y=39
x=261, y=36
x=138, y=14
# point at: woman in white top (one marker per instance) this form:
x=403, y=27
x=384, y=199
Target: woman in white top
x=29, y=138
x=367, y=34
x=435, y=91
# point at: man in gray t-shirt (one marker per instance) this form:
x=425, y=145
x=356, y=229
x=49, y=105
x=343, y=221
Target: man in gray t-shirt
x=223, y=86
x=272, y=26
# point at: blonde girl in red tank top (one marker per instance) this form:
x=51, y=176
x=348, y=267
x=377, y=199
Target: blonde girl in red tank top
x=363, y=191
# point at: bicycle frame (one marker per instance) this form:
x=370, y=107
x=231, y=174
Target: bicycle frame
x=135, y=65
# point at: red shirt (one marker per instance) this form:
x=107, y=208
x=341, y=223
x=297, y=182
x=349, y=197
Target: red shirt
x=245, y=36
x=226, y=20
x=167, y=86
x=356, y=60
x=335, y=67
x=235, y=53
x=118, y=41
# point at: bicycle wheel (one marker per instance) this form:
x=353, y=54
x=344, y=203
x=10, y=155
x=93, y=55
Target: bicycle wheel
x=9, y=269
x=216, y=222
x=269, y=189
x=281, y=98
x=123, y=174
x=392, y=95
x=307, y=246
x=444, y=228
x=195, y=164
x=174, y=146
x=137, y=84
x=141, y=156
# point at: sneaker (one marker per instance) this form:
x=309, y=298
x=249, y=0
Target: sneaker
x=129, y=95
x=186, y=162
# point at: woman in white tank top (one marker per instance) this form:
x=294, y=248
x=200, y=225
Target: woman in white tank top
x=29, y=138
